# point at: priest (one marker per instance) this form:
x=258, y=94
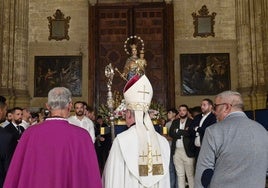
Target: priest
x=139, y=157
x=55, y=153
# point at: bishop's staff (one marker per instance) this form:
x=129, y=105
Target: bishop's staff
x=109, y=73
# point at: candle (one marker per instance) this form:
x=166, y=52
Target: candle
x=102, y=130
x=164, y=130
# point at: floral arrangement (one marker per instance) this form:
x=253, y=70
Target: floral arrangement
x=119, y=112
x=157, y=111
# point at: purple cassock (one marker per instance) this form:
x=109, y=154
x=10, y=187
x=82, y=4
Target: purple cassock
x=54, y=154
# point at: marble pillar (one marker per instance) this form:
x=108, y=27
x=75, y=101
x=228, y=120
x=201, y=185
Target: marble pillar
x=251, y=79
x=14, y=52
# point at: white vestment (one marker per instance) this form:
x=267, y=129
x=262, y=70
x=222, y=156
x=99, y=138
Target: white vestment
x=121, y=169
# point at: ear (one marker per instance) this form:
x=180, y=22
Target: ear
x=128, y=114
x=228, y=107
x=70, y=105
x=47, y=106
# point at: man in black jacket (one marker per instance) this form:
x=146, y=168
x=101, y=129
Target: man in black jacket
x=182, y=148
x=14, y=128
x=201, y=122
x=5, y=140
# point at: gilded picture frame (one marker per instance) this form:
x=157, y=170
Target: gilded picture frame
x=58, y=26
x=204, y=23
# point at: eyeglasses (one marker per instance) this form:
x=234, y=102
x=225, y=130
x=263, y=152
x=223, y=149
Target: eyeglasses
x=215, y=105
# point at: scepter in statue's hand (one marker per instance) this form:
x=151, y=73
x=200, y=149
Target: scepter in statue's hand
x=121, y=75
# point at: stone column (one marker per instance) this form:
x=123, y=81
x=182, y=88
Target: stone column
x=14, y=52
x=250, y=62
x=7, y=34
x=259, y=89
x=264, y=27
x=20, y=81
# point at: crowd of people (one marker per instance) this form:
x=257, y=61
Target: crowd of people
x=53, y=147
x=212, y=145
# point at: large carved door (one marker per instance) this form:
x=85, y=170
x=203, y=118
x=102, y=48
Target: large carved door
x=150, y=21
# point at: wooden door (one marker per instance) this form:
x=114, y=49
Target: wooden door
x=150, y=21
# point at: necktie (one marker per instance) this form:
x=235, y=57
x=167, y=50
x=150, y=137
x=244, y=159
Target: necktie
x=19, y=129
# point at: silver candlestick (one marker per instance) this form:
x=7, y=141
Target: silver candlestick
x=109, y=73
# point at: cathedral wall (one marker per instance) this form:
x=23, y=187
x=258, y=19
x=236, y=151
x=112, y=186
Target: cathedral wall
x=39, y=45
x=223, y=42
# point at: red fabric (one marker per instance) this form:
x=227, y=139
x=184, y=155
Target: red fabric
x=131, y=82
x=54, y=154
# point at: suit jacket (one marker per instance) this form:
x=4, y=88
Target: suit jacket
x=15, y=133
x=210, y=119
x=5, y=153
x=107, y=143
x=188, y=140
x=236, y=149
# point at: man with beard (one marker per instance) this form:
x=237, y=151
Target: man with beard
x=80, y=120
x=14, y=128
x=201, y=122
x=182, y=148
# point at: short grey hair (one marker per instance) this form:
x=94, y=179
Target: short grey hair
x=59, y=98
x=232, y=97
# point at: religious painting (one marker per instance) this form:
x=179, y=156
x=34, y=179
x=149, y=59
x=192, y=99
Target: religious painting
x=58, y=71
x=205, y=74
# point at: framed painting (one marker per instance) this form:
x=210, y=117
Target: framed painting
x=55, y=71
x=205, y=73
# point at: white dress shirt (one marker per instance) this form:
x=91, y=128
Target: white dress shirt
x=85, y=123
x=197, y=141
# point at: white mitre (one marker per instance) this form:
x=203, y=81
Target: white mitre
x=138, y=94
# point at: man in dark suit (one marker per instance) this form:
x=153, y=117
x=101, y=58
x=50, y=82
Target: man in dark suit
x=103, y=142
x=182, y=148
x=14, y=128
x=201, y=122
x=5, y=140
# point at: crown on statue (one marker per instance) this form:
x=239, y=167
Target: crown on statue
x=137, y=42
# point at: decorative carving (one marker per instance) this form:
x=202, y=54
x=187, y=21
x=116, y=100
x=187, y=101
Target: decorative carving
x=109, y=73
x=58, y=26
x=203, y=23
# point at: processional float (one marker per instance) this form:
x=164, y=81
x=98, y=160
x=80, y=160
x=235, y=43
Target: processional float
x=134, y=65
